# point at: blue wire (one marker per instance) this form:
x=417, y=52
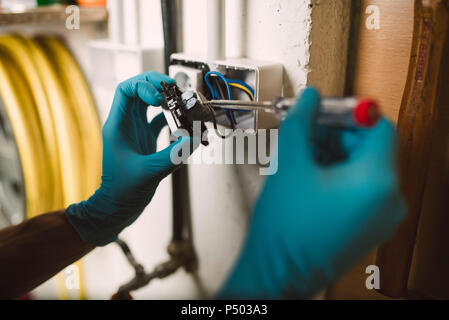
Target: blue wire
x=215, y=94
x=241, y=83
x=212, y=91
x=218, y=74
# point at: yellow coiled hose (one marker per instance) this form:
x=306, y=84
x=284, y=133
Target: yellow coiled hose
x=55, y=125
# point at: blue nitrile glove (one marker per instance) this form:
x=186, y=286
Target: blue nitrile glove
x=131, y=168
x=311, y=223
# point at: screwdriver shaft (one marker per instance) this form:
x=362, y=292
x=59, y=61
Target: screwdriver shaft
x=239, y=104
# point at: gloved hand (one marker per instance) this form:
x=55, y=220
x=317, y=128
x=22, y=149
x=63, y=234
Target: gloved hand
x=131, y=168
x=311, y=223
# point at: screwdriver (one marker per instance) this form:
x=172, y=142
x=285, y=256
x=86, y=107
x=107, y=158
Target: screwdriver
x=338, y=112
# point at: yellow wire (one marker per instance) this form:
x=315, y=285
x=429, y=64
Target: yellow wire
x=239, y=86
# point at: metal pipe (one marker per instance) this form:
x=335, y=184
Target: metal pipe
x=180, y=185
x=180, y=202
x=138, y=268
x=169, y=26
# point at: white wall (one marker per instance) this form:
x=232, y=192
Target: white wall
x=222, y=195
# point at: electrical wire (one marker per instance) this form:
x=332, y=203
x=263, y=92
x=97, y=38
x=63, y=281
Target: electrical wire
x=213, y=90
x=242, y=84
x=219, y=75
x=221, y=95
x=217, y=95
x=243, y=88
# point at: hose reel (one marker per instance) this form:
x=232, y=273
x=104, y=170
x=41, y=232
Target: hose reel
x=50, y=135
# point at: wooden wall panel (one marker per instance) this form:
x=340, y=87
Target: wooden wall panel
x=383, y=55
x=420, y=112
x=429, y=276
x=380, y=71
x=414, y=92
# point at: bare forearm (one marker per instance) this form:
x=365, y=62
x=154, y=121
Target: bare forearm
x=35, y=250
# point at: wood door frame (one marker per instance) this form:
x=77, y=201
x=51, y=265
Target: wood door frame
x=417, y=114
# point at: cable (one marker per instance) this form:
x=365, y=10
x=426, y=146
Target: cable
x=211, y=89
x=214, y=121
x=220, y=95
x=217, y=95
x=243, y=88
x=222, y=136
x=242, y=84
x=218, y=74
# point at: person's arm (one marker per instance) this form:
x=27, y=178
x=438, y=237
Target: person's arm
x=35, y=250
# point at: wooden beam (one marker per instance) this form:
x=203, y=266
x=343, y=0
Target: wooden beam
x=51, y=14
x=416, y=120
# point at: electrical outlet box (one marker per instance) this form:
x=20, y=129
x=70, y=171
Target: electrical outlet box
x=265, y=78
